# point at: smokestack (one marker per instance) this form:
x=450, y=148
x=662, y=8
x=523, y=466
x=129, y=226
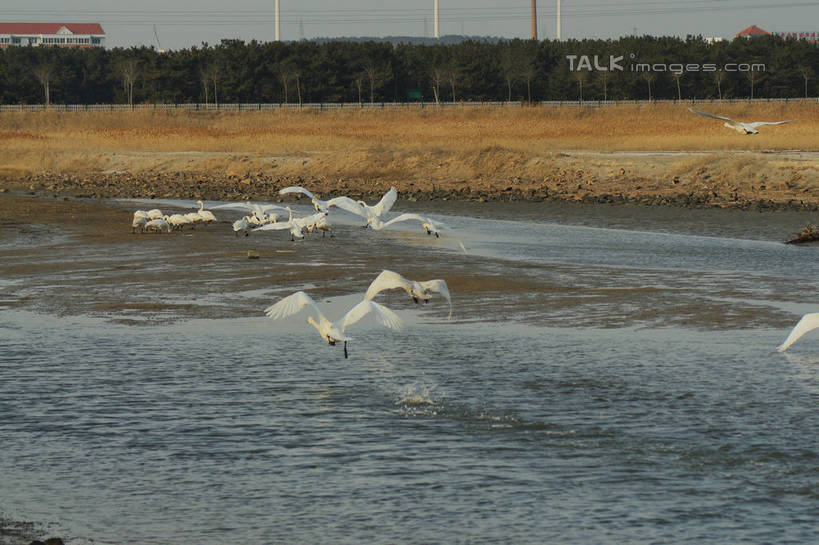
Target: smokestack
x=436, y=19
x=558, y=20
x=534, y=19
x=277, y=20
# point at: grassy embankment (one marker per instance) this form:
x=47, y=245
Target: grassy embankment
x=481, y=148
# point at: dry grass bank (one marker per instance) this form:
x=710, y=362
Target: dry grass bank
x=476, y=146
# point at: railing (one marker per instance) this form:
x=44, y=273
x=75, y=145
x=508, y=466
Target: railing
x=229, y=107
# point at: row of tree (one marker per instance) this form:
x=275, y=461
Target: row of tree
x=346, y=71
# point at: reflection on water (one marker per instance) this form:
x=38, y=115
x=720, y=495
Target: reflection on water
x=594, y=385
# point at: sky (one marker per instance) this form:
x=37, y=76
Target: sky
x=172, y=24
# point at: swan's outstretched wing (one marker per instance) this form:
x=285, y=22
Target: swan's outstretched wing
x=438, y=226
x=439, y=286
x=756, y=124
x=275, y=226
x=349, y=205
x=408, y=216
x=291, y=305
x=386, y=202
x=241, y=206
x=706, y=114
x=296, y=189
x=809, y=322
x=382, y=314
x=265, y=208
x=387, y=280
x=232, y=206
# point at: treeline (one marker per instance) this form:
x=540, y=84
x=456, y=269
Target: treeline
x=344, y=71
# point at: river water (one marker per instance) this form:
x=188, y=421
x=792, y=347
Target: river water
x=609, y=376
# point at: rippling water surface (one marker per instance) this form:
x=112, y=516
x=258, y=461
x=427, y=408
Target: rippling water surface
x=605, y=378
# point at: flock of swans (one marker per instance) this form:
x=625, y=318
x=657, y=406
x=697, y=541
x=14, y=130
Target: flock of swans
x=265, y=218
x=154, y=220
x=334, y=332
x=269, y=217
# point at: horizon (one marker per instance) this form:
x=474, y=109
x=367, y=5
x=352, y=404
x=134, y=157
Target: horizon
x=169, y=25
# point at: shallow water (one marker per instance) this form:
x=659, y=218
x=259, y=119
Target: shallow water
x=601, y=381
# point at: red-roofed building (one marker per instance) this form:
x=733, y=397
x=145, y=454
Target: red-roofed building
x=752, y=31
x=57, y=34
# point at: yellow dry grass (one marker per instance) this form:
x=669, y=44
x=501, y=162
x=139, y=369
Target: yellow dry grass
x=627, y=127
x=453, y=144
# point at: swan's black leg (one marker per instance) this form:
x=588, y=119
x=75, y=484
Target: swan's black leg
x=345, y=350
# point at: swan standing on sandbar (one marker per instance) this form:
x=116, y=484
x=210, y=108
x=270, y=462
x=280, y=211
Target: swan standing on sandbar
x=138, y=223
x=808, y=323
x=157, y=225
x=739, y=126
x=243, y=224
x=206, y=215
x=333, y=332
x=419, y=291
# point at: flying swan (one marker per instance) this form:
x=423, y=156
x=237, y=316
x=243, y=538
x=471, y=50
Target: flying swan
x=809, y=322
x=419, y=291
x=333, y=332
x=739, y=126
x=430, y=226
x=374, y=214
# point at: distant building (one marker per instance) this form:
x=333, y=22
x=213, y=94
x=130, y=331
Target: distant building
x=714, y=39
x=752, y=31
x=57, y=34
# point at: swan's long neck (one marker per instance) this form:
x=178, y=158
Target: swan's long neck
x=201, y=206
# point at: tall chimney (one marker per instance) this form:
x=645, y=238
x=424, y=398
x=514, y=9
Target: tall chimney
x=277, y=20
x=558, y=20
x=436, y=19
x=534, y=19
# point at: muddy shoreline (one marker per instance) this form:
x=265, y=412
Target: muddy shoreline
x=565, y=186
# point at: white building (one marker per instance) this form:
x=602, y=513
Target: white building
x=57, y=34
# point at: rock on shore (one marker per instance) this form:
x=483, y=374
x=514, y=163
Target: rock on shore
x=565, y=185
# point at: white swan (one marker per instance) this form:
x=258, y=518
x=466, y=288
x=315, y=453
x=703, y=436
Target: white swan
x=373, y=214
x=808, y=323
x=177, y=221
x=322, y=225
x=243, y=224
x=206, y=215
x=739, y=126
x=194, y=217
x=296, y=226
x=430, y=226
x=383, y=206
x=154, y=214
x=158, y=225
x=141, y=214
x=419, y=291
x=138, y=223
x=333, y=332
x=260, y=210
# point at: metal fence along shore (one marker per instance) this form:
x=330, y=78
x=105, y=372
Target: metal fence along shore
x=230, y=107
